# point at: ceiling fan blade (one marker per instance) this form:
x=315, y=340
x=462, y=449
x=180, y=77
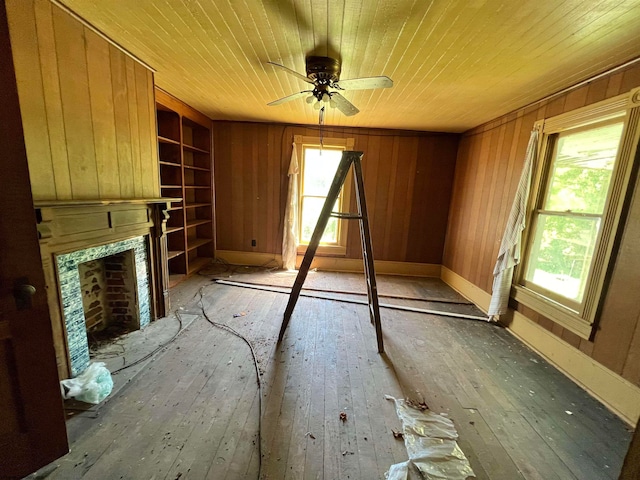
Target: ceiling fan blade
x=364, y=83
x=344, y=105
x=292, y=72
x=288, y=98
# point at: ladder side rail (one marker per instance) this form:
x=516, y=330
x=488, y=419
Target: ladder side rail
x=332, y=196
x=367, y=252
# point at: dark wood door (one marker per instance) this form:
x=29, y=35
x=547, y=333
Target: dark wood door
x=32, y=428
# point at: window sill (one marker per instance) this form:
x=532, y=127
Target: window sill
x=553, y=311
x=325, y=250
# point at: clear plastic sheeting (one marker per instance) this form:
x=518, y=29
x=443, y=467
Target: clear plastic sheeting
x=91, y=386
x=431, y=444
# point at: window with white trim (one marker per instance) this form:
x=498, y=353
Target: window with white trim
x=576, y=202
x=318, y=165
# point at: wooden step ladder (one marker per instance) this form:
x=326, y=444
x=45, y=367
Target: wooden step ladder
x=348, y=158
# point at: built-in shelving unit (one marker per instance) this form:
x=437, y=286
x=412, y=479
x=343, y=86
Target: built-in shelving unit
x=186, y=161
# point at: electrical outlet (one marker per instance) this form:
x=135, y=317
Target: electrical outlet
x=253, y=242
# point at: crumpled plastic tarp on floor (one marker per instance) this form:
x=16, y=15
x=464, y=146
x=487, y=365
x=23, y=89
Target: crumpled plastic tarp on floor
x=431, y=445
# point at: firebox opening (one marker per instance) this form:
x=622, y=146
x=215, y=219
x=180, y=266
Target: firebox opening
x=109, y=297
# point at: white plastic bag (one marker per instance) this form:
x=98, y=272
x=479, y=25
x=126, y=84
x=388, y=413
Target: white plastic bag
x=431, y=444
x=91, y=386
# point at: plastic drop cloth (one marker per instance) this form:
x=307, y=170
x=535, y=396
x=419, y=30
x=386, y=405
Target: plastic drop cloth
x=431, y=444
x=91, y=386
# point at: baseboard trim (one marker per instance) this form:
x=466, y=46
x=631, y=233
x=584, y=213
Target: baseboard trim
x=616, y=393
x=250, y=258
x=333, y=264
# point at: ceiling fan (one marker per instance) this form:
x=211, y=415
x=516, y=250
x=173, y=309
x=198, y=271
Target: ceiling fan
x=324, y=74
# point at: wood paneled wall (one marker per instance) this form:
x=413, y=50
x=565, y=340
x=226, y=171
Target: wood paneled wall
x=408, y=178
x=488, y=168
x=87, y=108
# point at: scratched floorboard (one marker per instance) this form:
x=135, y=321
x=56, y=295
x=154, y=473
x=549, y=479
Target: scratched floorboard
x=192, y=413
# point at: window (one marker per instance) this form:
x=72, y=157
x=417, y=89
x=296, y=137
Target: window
x=318, y=167
x=577, y=194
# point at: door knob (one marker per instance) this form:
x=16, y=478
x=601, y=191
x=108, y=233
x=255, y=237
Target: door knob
x=22, y=294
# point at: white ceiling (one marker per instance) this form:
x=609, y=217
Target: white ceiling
x=455, y=64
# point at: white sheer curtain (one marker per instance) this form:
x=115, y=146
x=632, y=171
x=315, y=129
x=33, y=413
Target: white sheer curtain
x=509, y=253
x=290, y=234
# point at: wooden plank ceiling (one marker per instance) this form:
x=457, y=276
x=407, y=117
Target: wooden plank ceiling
x=455, y=64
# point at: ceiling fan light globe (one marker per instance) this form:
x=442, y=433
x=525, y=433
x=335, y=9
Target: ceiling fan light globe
x=326, y=97
x=316, y=106
x=310, y=99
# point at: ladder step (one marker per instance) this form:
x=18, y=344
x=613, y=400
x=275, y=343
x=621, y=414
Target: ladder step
x=348, y=216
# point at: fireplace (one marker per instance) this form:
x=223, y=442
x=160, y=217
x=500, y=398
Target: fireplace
x=109, y=297
x=105, y=265
x=102, y=293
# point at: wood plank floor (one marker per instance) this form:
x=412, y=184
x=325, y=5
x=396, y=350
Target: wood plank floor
x=192, y=413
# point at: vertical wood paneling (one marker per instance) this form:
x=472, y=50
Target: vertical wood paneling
x=151, y=108
x=122, y=122
x=451, y=250
x=477, y=221
x=433, y=183
x=274, y=153
x=621, y=309
x=87, y=108
x=53, y=100
x=390, y=212
x=76, y=104
x=24, y=44
x=408, y=150
x=238, y=207
x=148, y=163
x=631, y=368
x=223, y=170
x=133, y=125
x=489, y=204
x=104, y=129
x=252, y=161
x=383, y=189
x=597, y=90
x=260, y=225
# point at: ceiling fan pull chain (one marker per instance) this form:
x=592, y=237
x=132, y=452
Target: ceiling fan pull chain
x=321, y=123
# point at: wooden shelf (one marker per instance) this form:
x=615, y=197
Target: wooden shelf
x=197, y=205
x=168, y=140
x=175, y=253
x=184, y=138
x=193, y=167
x=195, y=223
x=197, y=242
x=194, y=149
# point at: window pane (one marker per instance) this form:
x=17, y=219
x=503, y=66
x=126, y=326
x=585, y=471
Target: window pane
x=561, y=254
x=581, y=170
x=311, y=208
x=319, y=169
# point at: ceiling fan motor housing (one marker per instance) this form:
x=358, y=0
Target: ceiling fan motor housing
x=323, y=69
x=324, y=72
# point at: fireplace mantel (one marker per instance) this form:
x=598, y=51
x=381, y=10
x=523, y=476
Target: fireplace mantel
x=66, y=226
x=114, y=201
